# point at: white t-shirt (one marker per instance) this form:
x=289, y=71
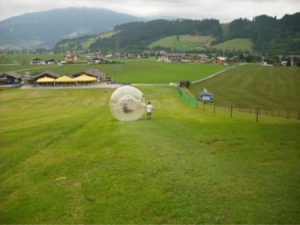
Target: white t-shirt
x=149, y=108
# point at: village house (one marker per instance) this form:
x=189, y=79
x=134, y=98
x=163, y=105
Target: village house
x=71, y=58
x=50, y=61
x=201, y=58
x=267, y=61
x=195, y=59
x=133, y=56
x=175, y=57
x=170, y=57
x=37, y=61
x=96, y=58
x=10, y=78
x=219, y=60
x=47, y=74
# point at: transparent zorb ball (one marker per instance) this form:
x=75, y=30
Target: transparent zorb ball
x=127, y=103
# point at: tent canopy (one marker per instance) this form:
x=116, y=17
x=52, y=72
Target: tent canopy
x=45, y=80
x=85, y=78
x=63, y=79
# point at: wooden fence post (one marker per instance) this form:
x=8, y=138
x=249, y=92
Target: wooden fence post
x=231, y=107
x=257, y=111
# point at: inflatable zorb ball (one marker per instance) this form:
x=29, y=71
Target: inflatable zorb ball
x=127, y=103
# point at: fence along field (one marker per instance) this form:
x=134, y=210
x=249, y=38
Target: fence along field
x=257, y=112
x=232, y=109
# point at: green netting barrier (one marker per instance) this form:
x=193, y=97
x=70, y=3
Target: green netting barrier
x=191, y=101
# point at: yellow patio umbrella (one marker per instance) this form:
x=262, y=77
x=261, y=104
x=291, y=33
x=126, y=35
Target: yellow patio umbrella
x=84, y=78
x=64, y=79
x=45, y=80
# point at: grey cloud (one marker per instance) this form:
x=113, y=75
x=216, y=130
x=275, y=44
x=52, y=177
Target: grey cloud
x=224, y=10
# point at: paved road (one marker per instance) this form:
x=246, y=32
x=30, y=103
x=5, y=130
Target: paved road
x=102, y=85
x=213, y=75
x=193, y=82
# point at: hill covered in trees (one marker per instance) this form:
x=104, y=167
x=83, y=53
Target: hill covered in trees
x=268, y=34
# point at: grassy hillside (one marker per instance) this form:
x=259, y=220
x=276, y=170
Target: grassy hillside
x=256, y=86
x=238, y=44
x=65, y=159
x=133, y=71
x=26, y=58
x=183, y=42
x=195, y=42
x=84, y=42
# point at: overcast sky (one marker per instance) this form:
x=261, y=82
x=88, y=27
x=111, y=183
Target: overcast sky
x=224, y=10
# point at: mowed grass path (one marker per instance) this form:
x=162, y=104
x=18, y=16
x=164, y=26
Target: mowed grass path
x=65, y=159
x=256, y=86
x=134, y=71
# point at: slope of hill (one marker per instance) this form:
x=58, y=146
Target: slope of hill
x=183, y=42
x=44, y=29
x=256, y=86
x=81, y=43
x=138, y=35
x=237, y=44
x=66, y=153
x=268, y=34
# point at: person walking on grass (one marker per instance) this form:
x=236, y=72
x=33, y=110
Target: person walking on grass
x=149, y=110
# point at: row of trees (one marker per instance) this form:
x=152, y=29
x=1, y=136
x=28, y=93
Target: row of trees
x=269, y=34
x=138, y=35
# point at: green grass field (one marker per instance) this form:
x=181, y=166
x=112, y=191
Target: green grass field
x=238, y=44
x=256, y=86
x=132, y=71
x=183, y=42
x=65, y=159
x=26, y=58
x=86, y=42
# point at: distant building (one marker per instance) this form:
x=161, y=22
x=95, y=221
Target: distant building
x=265, y=61
x=195, y=59
x=100, y=76
x=133, y=56
x=50, y=61
x=48, y=74
x=71, y=58
x=219, y=60
x=201, y=58
x=96, y=58
x=170, y=57
x=10, y=78
x=37, y=61
x=176, y=57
